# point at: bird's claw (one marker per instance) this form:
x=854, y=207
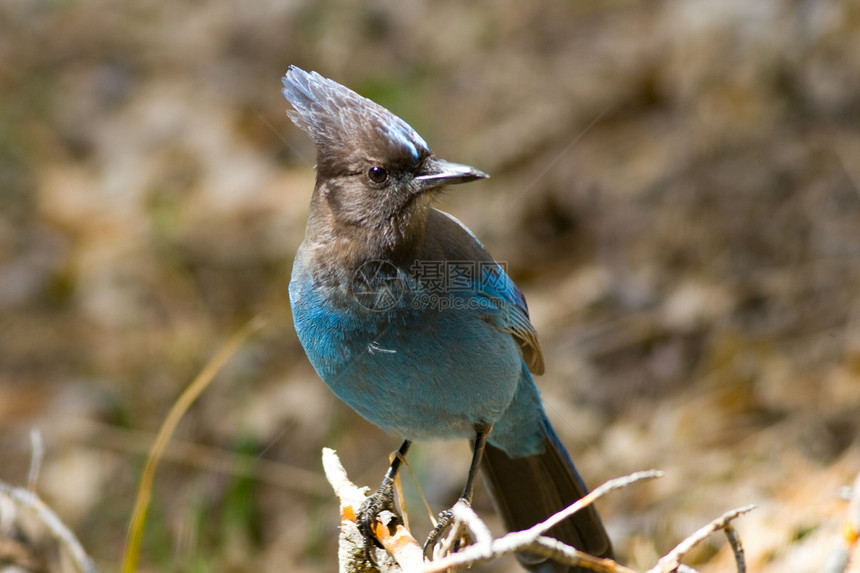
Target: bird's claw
x=376, y=503
x=443, y=524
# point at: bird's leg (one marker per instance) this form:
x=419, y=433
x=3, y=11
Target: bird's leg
x=382, y=499
x=446, y=518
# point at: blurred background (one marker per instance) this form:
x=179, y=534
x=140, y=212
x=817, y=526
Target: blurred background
x=675, y=187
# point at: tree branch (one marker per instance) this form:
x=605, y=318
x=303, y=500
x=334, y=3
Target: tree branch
x=403, y=553
x=26, y=502
x=671, y=561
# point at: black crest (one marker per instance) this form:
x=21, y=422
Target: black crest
x=343, y=123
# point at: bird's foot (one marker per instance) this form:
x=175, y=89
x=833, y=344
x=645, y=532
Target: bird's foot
x=376, y=503
x=443, y=524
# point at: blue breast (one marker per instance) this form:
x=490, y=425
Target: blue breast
x=404, y=362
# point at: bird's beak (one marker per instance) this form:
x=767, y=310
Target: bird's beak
x=437, y=172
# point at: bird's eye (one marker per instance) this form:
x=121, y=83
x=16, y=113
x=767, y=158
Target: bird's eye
x=377, y=174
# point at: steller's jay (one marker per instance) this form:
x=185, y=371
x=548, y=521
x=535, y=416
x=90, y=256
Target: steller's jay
x=410, y=321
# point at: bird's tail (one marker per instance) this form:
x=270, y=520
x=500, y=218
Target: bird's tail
x=527, y=490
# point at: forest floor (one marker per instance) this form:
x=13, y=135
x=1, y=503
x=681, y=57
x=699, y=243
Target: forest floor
x=675, y=188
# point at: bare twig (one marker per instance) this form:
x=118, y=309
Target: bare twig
x=26, y=500
x=407, y=555
x=36, y=459
x=516, y=542
x=401, y=551
x=532, y=539
x=737, y=547
x=672, y=560
x=558, y=551
x=407, y=552
x=464, y=513
x=592, y=496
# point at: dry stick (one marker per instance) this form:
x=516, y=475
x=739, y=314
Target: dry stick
x=672, y=560
x=479, y=530
x=528, y=539
x=555, y=549
x=28, y=500
x=38, y=447
x=737, y=547
x=397, y=542
x=188, y=396
x=592, y=496
x=407, y=553
x=516, y=542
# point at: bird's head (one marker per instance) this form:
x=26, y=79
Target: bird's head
x=374, y=172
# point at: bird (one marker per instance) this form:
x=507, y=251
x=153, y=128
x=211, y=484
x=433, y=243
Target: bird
x=411, y=322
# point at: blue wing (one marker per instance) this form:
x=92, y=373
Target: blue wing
x=505, y=304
